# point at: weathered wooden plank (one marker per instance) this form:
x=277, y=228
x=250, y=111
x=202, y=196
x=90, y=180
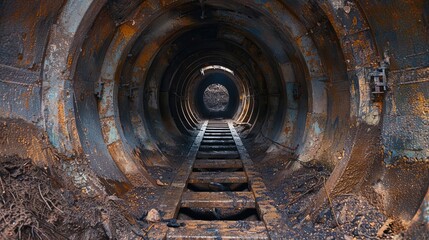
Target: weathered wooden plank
x=218, y=154
x=218, y=163
x=219, y=230
x=218, y=148
x=218, y=200
x=219, y=125
x=172, y=196
x=217, y=135
x=223, y=130
x=218, y=177
x=275, y=225
x=218, y=142
x=217, y=138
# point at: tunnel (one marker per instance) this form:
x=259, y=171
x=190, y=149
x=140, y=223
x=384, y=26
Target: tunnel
x=110, y=97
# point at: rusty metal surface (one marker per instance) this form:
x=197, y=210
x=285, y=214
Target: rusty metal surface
x=406, y=121
x=21, y=56
x=58, y=71
x=20, y=90
x=116, y=81
x=24, y=30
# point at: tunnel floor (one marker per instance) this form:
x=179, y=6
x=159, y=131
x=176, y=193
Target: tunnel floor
x=217, y=193
x=41, y=203
x=232, y=201
x=46, y=207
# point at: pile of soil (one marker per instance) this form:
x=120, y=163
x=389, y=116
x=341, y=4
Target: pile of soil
x=37, y=203
x=349, y=217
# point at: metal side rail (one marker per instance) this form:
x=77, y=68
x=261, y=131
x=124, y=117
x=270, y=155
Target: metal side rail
x=217, y=194
x=276, y=226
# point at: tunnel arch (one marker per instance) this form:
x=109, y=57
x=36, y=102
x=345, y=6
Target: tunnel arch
x=307, y=83
x=315, y=76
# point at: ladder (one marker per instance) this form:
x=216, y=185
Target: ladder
x=217, y=194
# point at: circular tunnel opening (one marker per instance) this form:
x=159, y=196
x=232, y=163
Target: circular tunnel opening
x=217, y=96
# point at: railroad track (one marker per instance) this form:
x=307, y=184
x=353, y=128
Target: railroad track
x=217, y=194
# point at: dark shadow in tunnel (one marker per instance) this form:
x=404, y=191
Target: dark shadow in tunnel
x=228, y=83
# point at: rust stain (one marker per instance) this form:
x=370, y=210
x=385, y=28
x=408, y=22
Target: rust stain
x=287, y=130
x=115, y=187
x=419, y=104
x=127, y=31
x=355, y=21
x=62, y=118
x=69, y=60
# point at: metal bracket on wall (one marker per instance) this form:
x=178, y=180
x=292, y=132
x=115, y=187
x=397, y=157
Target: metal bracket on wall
x=378, y=79
x=131, y=93
x=296, y=91
x=98, y=89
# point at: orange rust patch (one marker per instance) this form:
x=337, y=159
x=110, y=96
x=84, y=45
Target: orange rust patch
x=287, y=130
x=127, y=31
x=69, y=60
x=120, y=188
x=269, y=7
x=420, y=104
x=62, y=117
x=355, y=21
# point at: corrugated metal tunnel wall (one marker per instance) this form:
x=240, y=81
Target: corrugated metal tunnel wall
x=115, y=81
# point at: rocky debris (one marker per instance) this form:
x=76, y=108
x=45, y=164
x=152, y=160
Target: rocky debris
x=384, y=228
x=351, y=215
x=346, y=217
x=38, y=203
x=153, y=216
x=160, y=183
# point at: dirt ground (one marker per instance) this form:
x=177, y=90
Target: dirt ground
x=36, y=203
x=346, y=217
x=41, y=203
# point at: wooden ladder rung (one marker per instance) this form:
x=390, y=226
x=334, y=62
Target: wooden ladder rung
x=218, y=154
x=218, y=129
x=219, y=230
x=218, y=177
x=217, y=138
x=206, y=148
x=218, y=163
x=216, y=132
x=218, y=200
x=218, y=142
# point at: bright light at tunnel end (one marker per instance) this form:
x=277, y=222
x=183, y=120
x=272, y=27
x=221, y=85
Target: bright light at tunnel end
x=216, y=67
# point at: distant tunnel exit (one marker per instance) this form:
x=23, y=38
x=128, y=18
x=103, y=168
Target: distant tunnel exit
x=217, y=96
